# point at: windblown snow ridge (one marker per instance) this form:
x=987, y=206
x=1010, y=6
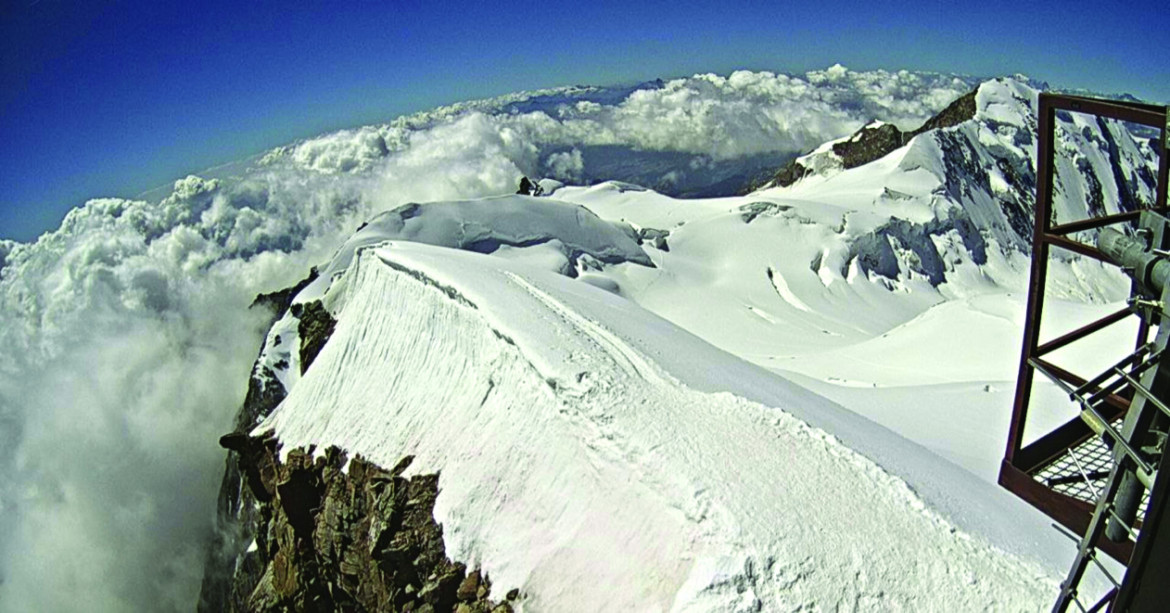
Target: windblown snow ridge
x=619, y=486
x=489, y=224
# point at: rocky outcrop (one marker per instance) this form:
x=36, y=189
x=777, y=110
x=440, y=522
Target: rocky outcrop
x=359, y=539
x=875, y=141
x=955, y=113
x=314, y=329
x=301, y=534
x=279, y=301
x=655, y=237
x=231, y=571
x=750, y=211
x=529, y=187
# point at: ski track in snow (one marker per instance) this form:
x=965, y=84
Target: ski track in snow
x=622, y=489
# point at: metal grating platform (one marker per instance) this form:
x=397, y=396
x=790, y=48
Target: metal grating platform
x=1081, y=472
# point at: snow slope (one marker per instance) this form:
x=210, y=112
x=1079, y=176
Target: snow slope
x=583, y=458
x=897, y=287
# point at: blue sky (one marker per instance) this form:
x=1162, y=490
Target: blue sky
x=110, y=98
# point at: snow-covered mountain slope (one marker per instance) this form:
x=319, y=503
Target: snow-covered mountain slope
x=985, y=166
x=905, y=272
x=126, y=354
x=736, y=271
x=581, y=462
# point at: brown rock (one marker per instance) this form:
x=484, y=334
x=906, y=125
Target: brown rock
x=364, y=539
x=469, y=587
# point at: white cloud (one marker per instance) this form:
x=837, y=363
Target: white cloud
x=127, y=356
x=745, y=113
x=566, y=165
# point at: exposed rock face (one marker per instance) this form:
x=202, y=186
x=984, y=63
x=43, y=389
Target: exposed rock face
x=529, y=188
x=231, y=571
x=279, y=301
x=749, y=212
x=954, y=114
x=315, y=327
x=655, y=237
x=869, y=144
x=359, y=540
x=875, y=142
x=301, y=534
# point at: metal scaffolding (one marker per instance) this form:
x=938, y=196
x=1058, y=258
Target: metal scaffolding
x=1095, y=472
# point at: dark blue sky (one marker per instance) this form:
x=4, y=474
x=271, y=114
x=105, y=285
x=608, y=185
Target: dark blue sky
x=109, y=98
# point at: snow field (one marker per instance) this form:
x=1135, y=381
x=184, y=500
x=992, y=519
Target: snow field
x=575, y=467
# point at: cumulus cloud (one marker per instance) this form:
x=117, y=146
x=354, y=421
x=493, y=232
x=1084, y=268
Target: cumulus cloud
x=128, y=341
x=6, y=247
x=128, y=346
x=744, y=113
x=565, y=165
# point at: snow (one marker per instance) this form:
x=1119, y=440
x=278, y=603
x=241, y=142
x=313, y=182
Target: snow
x=582, y=443
x=132, y=308
x=486, y=225
x=584, y=438
x=859, y=334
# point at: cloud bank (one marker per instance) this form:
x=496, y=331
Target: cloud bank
x=745, y=113
x=127, y=339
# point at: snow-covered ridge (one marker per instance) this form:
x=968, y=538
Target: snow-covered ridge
x=985, y=166
x=551, y=234
x=573, y=456
x=965, y=188
x=569, y=231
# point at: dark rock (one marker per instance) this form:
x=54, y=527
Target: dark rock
x=749, y=212
x=873, y=143
x=364, y=539
x=236, y=441
x=869, y=144
x=402, y=465
x=278, y=302
x=469, y=587
x=529, y=188
x=655, y=237
x=315, y=327
x=962, y=109
x=792, y=172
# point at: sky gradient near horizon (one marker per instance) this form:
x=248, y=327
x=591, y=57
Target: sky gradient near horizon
x=111, y=98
